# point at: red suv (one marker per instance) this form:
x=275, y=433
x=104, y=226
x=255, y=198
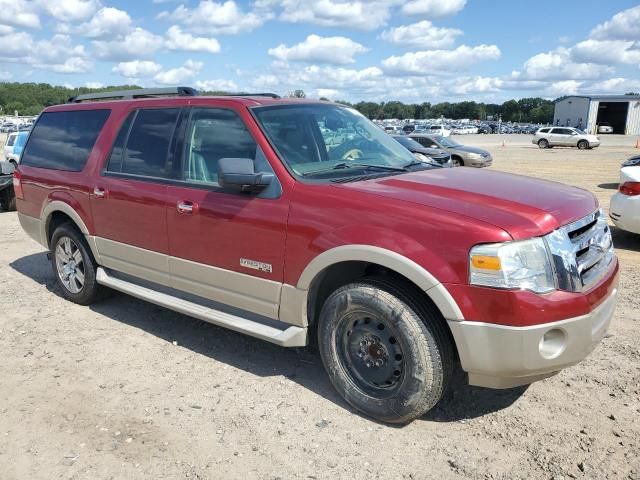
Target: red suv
x=301, y=221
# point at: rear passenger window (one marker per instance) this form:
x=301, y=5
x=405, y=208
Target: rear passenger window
x=11, y=140
x=214, y=134
x=64, y=140
x=147, y=143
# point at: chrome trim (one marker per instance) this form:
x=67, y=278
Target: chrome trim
x=578, y=273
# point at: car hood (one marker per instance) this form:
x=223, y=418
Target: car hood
x=466, y=149
x=524, y=207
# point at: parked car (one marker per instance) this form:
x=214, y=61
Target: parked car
x=440, y=130
x=232, y=210
x=605, y=127
x=408, y=128
x=461, y=155
x=549, y=137
x=12, y=150
x=8, y=128
x=624, y=209
x=425, y=154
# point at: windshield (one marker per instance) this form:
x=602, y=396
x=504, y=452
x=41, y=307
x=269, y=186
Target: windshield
x=447, y=142
x=409, y=143
x=314, y=139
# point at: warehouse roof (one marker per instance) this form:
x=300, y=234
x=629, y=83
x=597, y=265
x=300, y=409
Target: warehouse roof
x=603, y=98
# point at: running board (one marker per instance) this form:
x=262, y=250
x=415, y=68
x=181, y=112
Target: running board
x=289, y=337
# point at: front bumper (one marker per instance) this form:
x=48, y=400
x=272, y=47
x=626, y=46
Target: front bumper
x=624, y=212
x=499, y=356
x=478, y=162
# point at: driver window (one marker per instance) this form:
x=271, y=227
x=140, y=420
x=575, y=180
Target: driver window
x=214, y=134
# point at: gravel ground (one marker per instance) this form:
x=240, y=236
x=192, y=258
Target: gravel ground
x=124, y=389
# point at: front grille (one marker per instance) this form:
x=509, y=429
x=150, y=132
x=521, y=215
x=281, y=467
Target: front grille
x=582, y=252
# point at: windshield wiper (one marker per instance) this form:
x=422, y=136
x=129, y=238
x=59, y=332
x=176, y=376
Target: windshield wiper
x=342, y=165
x=429, y=161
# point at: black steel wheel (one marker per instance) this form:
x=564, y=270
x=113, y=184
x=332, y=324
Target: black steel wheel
x=386, y=349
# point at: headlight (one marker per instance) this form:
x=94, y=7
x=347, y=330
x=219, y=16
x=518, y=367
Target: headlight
x=524, y=265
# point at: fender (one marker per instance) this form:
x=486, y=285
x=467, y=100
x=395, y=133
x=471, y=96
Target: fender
x=59, y=206
x=294, y=299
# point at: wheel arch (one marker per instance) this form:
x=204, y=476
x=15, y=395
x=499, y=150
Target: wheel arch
x=57, y=212
x=343, y=264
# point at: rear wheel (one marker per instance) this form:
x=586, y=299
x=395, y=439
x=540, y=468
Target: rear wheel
x=386, y=352
x=74, y=266
x=543, y=143
x=583, y=145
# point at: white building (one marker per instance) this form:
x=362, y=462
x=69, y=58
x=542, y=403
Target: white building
x=622, y=112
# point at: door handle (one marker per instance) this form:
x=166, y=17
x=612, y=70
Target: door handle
x=187, y=208
x=99, y=192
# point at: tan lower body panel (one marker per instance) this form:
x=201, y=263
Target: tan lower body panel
x=235, y=289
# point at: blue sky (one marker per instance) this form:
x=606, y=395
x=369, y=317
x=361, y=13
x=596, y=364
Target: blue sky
x=410, y=50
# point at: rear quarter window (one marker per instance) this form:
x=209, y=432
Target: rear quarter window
x=64, y=140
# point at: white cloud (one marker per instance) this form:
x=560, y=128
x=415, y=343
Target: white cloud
x=4, y=75
x=563, y=87
x=316, y=49
x=361, y=15
x=440, y=61
x=422, y=35
x=558, y=65
x=107, y=22
x=606, y=52
x=615, y=85
x=622, y=26
x=18, y=13
x=217, y=85
x=69, y=10
x=330, y=93
x=137, y=68
x=211, y=17
x=466, y=85
x=433, y=8
x=135, y=45
x=176, y=39
x=94, y=84
x=57, y=54
x=180, y=74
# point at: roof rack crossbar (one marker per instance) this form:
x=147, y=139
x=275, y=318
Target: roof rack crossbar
x=137, y=93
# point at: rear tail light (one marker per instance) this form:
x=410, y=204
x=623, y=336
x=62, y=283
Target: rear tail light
x=17, y=185
x=630, y=188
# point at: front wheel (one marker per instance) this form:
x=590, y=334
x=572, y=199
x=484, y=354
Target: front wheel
x=386, y=352
x=583, y=145
x=457, y=162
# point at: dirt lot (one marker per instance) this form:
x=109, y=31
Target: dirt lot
x=125, y=389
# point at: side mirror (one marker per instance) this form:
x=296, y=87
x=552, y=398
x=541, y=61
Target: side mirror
x=238, y=174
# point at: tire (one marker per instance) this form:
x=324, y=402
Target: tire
x=8, y=200
x=543, y=143
x=457, y=161
x=387, y=352
x=70, y=256
x=583, y=145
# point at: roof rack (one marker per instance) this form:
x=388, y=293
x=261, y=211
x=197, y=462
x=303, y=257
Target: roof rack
x=137, y=93
x=242, y=94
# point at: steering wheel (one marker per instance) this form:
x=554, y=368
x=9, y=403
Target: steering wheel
x=353, y=154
